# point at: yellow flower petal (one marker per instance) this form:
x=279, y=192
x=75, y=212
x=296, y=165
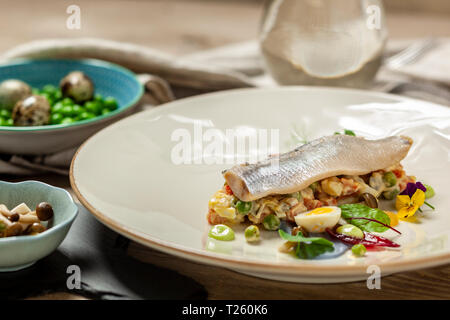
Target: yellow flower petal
x=410, y=219
x=402, y=201
x=407, y=212
x=403, y=213
x=393, y=217
x=418, y=198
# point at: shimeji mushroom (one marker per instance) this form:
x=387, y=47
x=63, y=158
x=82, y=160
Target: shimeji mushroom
x=44, y=211
x=21, y=220
x=11, y=228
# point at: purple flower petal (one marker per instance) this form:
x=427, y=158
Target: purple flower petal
x=420, y=186
x=411, y=188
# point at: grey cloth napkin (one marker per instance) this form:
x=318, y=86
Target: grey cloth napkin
x=106, y=271
x=167, y=77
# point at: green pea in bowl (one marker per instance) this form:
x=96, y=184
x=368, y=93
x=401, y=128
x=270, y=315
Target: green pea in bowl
x=111, y=82
x=19, y=252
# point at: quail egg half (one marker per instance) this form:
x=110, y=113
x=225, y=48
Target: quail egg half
x=319, y=219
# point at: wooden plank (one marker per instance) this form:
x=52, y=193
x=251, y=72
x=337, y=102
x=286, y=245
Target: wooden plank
x=226, y=284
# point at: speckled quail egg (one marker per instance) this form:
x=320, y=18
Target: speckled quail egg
x=77, y=86
x=319, y=219
x=11, y=91
x=31, y=111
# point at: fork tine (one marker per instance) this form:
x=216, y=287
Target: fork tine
x=410, y=54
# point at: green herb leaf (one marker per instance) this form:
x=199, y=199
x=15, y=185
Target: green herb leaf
x=349, y=133
x=308, y=248
x=362, y=211
x=312, y=250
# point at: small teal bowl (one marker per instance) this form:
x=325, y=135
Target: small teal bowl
x=20, y=252
x=109, y=80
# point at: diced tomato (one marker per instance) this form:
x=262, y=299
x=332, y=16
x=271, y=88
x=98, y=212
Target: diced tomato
x=398, y=172
x=312, y=204
x=228, y=190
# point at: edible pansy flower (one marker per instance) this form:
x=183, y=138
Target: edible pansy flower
x=411, y=189
x=408, y=205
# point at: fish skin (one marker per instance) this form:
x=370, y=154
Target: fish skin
x=319, y=159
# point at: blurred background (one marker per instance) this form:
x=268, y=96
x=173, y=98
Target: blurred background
x=185, y=26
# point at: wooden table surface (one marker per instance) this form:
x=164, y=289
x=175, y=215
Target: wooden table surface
x=181, y=27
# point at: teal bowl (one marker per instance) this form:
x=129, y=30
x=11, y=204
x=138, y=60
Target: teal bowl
x=19, y=252
x=109, y=80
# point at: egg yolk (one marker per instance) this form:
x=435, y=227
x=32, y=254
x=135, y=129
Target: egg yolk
x=320, y=211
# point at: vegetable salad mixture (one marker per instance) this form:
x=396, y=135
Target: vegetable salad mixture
x=340, y=208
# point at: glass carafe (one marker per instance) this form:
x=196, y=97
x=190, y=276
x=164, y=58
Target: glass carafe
x=323, y=42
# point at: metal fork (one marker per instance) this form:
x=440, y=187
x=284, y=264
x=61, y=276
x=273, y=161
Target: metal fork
x=410, y=54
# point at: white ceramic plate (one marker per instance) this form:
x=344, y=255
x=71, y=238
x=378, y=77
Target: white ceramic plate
x=125, y=175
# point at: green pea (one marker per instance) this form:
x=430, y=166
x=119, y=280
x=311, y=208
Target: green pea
x=86, y=115
x=251, y=233
x=67, y=111
x=105, y=111
x=243, y=207
x=49, y=89
x=271, y=222
x=5, y=113
x=389, y=179
x=2, y=121
x=351, y=231
x=221, y=232
x=10, y=122
x=390, y=195
x=110, y=103
x=56, y=118
x=57, y=95
x=67, y=121
x=98, y=97
x=93, y=107
x=430, y=191
x=359, y=250
x=57, y=107
x=67, y=102
x=77, y=110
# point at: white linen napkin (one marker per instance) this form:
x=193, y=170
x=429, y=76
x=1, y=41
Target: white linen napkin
x=167, y=77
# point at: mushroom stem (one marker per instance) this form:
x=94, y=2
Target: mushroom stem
x=28, y=219
x=5, y=220
x=5, y=211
